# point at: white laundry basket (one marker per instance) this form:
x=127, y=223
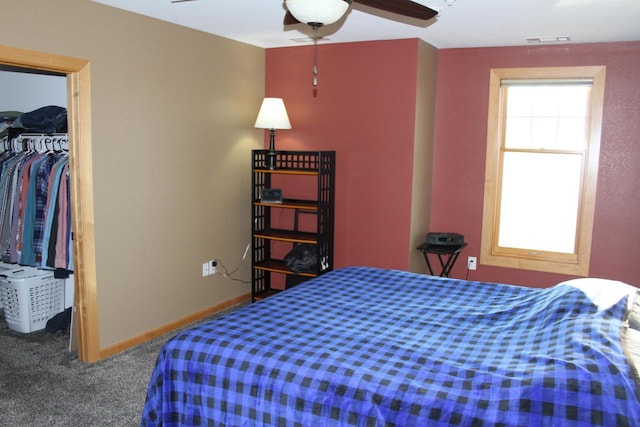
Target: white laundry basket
x=5, y=267
x=30, y=298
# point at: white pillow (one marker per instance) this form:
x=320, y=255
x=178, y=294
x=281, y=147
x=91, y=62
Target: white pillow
x=603, y=292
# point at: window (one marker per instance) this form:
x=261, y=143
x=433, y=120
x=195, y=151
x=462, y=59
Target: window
x=543, y=144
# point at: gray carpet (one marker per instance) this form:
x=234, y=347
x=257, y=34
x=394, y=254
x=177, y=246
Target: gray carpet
x=42, y=384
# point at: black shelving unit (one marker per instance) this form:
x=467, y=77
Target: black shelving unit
x=289, y=166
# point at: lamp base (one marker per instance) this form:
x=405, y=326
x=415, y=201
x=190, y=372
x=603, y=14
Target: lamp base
x=271, y=155
x=271, y=160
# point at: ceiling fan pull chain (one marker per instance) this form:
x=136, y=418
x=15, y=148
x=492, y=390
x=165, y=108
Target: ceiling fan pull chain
x=315, y=76
x=315, y=56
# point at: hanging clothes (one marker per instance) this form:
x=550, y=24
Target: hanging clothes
x=34, y=203
x=52, y=214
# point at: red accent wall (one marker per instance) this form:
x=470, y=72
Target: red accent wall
x=460, y=141
x=363, y=108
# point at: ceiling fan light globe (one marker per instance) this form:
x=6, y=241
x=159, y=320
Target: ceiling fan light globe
x=323, y=12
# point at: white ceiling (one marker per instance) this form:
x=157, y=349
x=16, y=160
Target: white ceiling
x=462, y=23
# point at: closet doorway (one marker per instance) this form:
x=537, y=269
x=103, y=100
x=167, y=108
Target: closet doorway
x=77, y=73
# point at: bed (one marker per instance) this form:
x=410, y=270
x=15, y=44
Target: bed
x=373, y=347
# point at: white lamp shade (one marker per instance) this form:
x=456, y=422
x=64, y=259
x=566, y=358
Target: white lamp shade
x=273, y=115
x=323, y=12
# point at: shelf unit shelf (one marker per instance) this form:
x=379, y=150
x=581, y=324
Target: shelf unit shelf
x=286, y=171
x=277, y=266
x=309, y=205
x=267, y=231
x=287, y=236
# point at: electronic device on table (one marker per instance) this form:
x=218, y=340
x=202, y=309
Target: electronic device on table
x=445, y=239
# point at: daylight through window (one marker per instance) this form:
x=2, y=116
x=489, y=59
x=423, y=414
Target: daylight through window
x=542, y=151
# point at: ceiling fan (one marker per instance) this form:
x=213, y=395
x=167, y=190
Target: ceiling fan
x=317, y=13
x=324, y=12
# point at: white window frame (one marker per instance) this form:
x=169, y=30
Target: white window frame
x=491, y=253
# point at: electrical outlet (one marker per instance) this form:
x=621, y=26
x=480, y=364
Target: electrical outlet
x=471, y=263
x=205, y=269
x=212, y=267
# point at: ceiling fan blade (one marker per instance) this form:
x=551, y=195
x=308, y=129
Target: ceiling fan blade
x=289, y=19
x=180, y=1
x=401, y=7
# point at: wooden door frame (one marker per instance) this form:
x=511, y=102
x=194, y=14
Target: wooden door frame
x=81, y=183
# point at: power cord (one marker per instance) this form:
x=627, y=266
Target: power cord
x=229, y=275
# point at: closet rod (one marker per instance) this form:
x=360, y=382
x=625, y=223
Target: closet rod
x=40, y=142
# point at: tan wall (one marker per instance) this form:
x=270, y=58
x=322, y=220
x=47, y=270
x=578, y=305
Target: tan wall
x=172, y=114
x=423, y=153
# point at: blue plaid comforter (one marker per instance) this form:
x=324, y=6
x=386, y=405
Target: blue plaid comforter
x=370, y=347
